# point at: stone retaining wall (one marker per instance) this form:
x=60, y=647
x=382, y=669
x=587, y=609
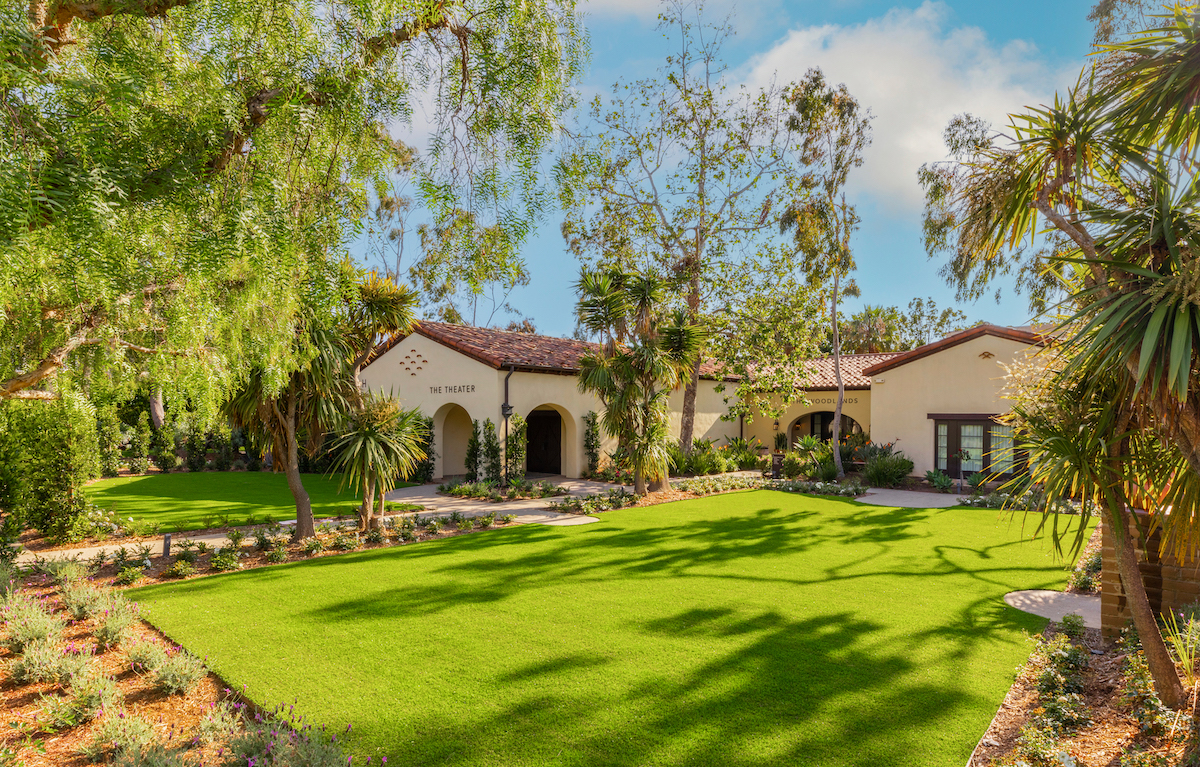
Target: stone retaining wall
x=1168, y=584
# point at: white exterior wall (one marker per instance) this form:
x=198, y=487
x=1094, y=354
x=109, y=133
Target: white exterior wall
x=423, y=373
x=960, y=379
x=857, y=405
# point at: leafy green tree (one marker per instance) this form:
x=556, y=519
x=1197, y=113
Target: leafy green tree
x=891, y=329
x=491, y=464
x=377, y=444
x=836, y=131
x=646, y=355
x=1109, y=166
x=473, y=453
x=685, y=175
x=923, y=323
x=176, y=171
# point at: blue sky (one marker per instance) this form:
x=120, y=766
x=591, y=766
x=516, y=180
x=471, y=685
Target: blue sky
x=915, y=64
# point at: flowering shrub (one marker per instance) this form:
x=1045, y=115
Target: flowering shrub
x=711, y=485
x=26, y=620
x=179, y=672
x=119, y=614
x=145, y=655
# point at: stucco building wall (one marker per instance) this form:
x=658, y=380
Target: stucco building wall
x=857, y=405
x=963, y=379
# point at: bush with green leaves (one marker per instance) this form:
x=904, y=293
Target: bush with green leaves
x=433, y=526
x=225, y=560
x=196, y=447
x=145, y=655
x=1037, y=747
x=826, y=471
x=508, y=519
x=26, y=621
x=516, y=447
x=1073, y=626
x=939, y=480
x=179, y=672
x=129, y=576
x=120, y=734
x=485, y=521
x=48, y=451
x=887, y=470
x=1086, y=575
x=1138, y=693
x=108, y=438
x=222, y=720
x=375, y=535
x=976, y=482
x=82, y=600
x=118, y=615
x=162, y=447
x=42, y=661
x=474, y=453
x=490, y=458
x=222, y=445
x=139, y=445
x=313, y=546
x=346, y=541
x=591, y=441
x=85, y=699
x=180, y=569
x=1063, y=714
x=465, y=525
x=278, y=555
x=272, y=741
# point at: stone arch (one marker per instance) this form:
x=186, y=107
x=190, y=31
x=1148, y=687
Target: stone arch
x=804, y=424
x=541, y=422
x=451, y=430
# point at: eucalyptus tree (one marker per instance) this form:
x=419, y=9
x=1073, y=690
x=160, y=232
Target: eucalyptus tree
x=1109, y=168
x=646, y=355
x=685, y=174
x=174, y=173
x=836, y=130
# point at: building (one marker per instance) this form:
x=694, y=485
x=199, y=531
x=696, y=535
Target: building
x=931, y=401
x=459, y=374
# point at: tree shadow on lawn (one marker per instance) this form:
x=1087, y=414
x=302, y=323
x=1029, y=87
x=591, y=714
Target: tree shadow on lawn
x=819, y=691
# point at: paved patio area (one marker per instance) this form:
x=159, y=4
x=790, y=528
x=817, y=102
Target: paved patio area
x=529, y=512
x=909, y=499
x=1055, y=604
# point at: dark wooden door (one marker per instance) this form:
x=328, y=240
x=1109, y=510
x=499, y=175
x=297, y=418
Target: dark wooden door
x=545, y=442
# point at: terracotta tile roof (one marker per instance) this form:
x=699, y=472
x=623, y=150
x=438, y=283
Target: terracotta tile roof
x=524, y=351
x=820, y=371
x=1033, y=338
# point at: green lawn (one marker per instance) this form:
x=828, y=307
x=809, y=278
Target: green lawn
x=187, y=501
x=758, y=628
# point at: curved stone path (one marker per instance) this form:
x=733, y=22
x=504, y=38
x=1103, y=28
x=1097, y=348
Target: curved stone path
x=1056, y=604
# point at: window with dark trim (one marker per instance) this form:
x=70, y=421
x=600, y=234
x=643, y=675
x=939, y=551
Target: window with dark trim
x=988, y=445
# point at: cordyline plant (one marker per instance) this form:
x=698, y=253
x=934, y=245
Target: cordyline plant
x=378, y=443
x=646, y=355
x=1109, y=169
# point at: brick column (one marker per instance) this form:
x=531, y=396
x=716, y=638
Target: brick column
x=1168, y=584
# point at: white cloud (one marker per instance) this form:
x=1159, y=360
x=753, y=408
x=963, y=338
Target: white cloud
x=915, y=74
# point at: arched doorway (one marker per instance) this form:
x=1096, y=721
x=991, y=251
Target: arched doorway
x=451, y=432
x=551, y=438
x=820, y=425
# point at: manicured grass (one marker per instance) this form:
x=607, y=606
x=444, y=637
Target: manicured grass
x=187, y=501
x=756, y=628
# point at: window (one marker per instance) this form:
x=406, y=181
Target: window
x=988, y=445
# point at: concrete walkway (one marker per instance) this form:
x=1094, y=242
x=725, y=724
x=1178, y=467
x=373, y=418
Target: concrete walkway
x=1055, y=604
x=909, y=499
x=528, y=512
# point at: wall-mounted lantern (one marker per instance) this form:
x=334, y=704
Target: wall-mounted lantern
x=776, y=424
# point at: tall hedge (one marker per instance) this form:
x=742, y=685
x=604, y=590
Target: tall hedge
x=48, y=450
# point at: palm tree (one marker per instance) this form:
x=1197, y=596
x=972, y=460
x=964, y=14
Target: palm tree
x=1110, y=167
x=378, y=443
x=646, y=355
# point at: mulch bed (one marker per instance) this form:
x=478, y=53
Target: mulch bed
x=174, y=717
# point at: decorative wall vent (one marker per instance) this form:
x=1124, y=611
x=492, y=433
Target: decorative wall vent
x=986, y=356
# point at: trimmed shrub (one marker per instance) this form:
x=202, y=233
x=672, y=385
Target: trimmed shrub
x=48, y=450
x=222, y=444
x=162, y=447
x=492, y=467
x=119, y=614
x=145, y=655
x=424, y=469
x=108, y=438
x=516, y=447
x=139, y=445
x=474, y=451
x=120, y=734
x=196, y=447
x=792, y=466
x=887, y=470
x=591, y=441
x=179, y=673
x=27, y=621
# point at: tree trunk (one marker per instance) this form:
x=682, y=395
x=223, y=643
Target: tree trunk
x=687, y=426
x=377, y=521
x=1162, y=668
x=639, y=481
x=305, y=527
x=837, y=374
x=659, y=484
x=368, y=503
x=158, y=414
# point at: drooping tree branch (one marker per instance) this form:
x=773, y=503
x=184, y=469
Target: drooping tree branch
x=50, y=19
